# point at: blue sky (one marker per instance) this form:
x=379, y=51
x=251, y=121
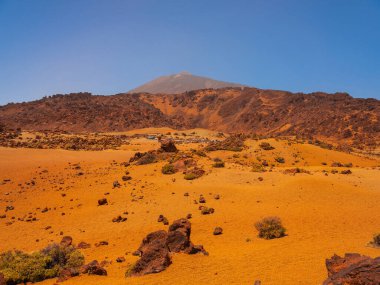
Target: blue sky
x=111, y=46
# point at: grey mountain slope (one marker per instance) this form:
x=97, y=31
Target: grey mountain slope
x=181, y=82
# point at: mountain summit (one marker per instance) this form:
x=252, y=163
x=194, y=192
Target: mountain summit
x=181, y=82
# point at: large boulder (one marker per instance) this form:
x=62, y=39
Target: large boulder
x=353, y=269
x=168, y=146
x=155, y=256
x=155, y=249
x=179, y=236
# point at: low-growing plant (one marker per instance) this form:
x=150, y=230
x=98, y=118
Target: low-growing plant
x=258, y=167
x=190, y=176
x=168, y=169
x=270, y=228
x=20, y=267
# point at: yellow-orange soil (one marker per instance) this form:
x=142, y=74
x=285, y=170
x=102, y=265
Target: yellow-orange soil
x=323, y=214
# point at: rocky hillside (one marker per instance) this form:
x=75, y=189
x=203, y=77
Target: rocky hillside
x=248, y=110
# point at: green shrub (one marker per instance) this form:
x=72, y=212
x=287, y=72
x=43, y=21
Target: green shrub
x=270, y=228
x=258, y=167
x=190, y=176
x=19, y=267
x=168, y=169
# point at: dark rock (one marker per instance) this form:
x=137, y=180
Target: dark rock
x=168, y=146
x=353, y=269
x=155, y=255
x=102, y=202
x=93, y=268
x=103, y=242
x=202, y=199
x=126, y=178
x=120, y=259
x=217, y=231
x=119, y=219
x=179, y=235
x=116, y=184
x=66, y=241
x=83, y=245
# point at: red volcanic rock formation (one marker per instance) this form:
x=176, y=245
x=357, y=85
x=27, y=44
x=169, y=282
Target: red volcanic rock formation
x=245, y=110
x=353, y=269
x=156, y=247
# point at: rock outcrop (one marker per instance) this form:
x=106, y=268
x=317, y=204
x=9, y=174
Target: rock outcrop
x=353, y=269
x=156, y=248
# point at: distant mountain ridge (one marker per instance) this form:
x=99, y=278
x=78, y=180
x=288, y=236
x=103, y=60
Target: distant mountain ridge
x=336, y=117
x=181, y=82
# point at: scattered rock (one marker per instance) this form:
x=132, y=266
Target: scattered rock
x=93, y=268
x=66, y=241
x=217, y=231
x=103, y=242
x=353, y=268
x=120, y=259
x=102, y=202
x=126, y=178
x=206, y=210
x=202, y=199
x=119, y=219
x=83, y=245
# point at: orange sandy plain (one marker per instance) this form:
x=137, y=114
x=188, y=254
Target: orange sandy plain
x=323, y=214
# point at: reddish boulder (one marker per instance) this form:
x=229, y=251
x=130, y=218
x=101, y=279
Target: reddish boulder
x=179, y=235
x=93, y=268
x=156, y=247
x=168, y=146
x=353, y=269
x=66, y=241
x=154, y=253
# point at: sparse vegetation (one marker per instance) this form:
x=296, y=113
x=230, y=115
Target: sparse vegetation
x=258, y=167
x=270, y=228
x=19, y=267
x=168, y=169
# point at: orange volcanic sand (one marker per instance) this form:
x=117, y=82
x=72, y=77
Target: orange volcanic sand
x=323, y=214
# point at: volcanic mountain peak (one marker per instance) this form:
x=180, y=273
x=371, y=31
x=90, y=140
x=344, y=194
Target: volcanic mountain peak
x=181, y=82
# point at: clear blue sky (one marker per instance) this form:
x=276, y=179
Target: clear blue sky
x=105, y=47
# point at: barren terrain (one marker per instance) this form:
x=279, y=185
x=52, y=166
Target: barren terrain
x=323, y=210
